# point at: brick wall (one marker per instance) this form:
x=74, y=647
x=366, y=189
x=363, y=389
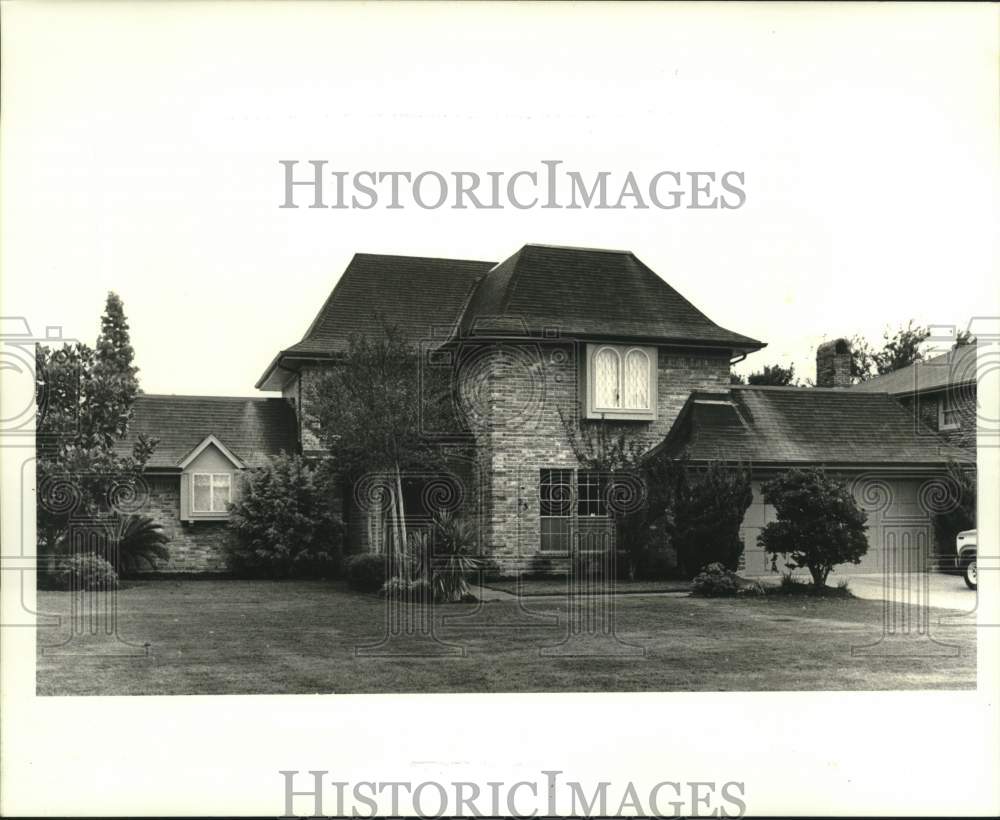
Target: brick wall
x=296, y=390
x=518, y=400
x=925, y=408
x=194, y=547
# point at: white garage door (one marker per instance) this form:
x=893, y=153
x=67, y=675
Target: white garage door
x=900, y=532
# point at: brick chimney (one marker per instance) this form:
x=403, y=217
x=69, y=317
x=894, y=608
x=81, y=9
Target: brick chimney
x=833, y=364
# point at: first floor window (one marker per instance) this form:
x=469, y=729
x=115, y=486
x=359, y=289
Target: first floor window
x=212, y=492
x=555, y=496
x=573, y=507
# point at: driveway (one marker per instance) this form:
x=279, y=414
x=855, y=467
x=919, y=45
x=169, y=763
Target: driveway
x=943, y=591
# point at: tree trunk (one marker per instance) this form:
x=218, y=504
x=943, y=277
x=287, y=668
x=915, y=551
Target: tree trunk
x=401, y=524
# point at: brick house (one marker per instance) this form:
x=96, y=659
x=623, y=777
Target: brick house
x=940, y=394
x=549, y=345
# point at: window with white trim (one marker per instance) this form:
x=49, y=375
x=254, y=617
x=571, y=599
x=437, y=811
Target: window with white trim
x=621, y=381
x=948, y=413
x=211, y=492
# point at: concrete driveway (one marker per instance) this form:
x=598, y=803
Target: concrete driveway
x=942, y=591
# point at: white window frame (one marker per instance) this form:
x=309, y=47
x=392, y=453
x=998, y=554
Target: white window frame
x=947, y=404
x=211, y=493
x=595, y=411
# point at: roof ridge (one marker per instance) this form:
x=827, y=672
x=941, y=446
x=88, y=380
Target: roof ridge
x=198, y=396
x=421, y=258
x=577, y=248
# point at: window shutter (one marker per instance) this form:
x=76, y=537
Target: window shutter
x=185, y=497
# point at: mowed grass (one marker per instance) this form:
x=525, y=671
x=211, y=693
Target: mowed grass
x=259, y=637
x=560, y=586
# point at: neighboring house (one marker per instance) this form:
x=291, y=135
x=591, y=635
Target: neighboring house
x=549, y=341
x=940, y=393
x=204, y=444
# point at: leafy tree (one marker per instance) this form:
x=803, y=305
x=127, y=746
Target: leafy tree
x=772, y=375
x=958, y=510
x=284, y=521
x=899, y=349
x=964, y=337
x=85, y=401
x=819, y=523
x=368, y=408
x=709, y=507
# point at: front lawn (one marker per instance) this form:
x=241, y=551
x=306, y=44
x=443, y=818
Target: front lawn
x=233, y=637
x=558, y=585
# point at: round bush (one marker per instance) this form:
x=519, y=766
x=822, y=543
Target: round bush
x=715, y=581
x=87, y=571
x=366, y=572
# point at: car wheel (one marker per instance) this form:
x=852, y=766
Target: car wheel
x=970, y=574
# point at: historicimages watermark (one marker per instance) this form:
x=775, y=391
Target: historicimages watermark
x=316, y=794
x=316, y=184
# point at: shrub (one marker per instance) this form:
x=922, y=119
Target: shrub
x=284, y=522
x=753, y=589
x=710, y=506
x=819, y=523
x=413, y=591
x=366, y=572
x=656, y=565
x=716, y=581
x=140, y=542
x=453, y=558
x=86, y=571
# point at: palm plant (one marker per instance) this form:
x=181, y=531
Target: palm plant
x=140, y=541
x=453, y=558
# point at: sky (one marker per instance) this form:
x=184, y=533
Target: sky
x=141, y=148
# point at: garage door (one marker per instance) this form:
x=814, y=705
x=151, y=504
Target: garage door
x=900, y=532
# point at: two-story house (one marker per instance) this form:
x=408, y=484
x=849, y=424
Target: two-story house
x=547, y=348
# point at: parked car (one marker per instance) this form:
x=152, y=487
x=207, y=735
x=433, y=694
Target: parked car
x=965, y=556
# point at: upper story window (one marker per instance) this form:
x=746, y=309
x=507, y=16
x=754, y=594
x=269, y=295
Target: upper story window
x=211, y=492
x=621, y=382
x=948, y=415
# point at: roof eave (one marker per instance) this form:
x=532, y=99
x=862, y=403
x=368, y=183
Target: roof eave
x=278, y=363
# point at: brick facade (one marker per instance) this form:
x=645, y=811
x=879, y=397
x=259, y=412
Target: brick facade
x=518, y=404
x=194, y=546
x=925, y=407
x=515, y=397
x=296, y=392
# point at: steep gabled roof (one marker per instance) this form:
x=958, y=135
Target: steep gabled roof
x=253, y=429
x=583, y=292
x=804, y=426
x=415, y=294
x=954, y=368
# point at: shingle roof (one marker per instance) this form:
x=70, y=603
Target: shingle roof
x=252, y=428
x=957, y=366
x=589, y=293
x=415, y=294
x=580, y=291
x=804, y=426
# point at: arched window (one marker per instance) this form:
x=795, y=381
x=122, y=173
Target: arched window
x=607, y=378
x=635, y=381
x=621, y=382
